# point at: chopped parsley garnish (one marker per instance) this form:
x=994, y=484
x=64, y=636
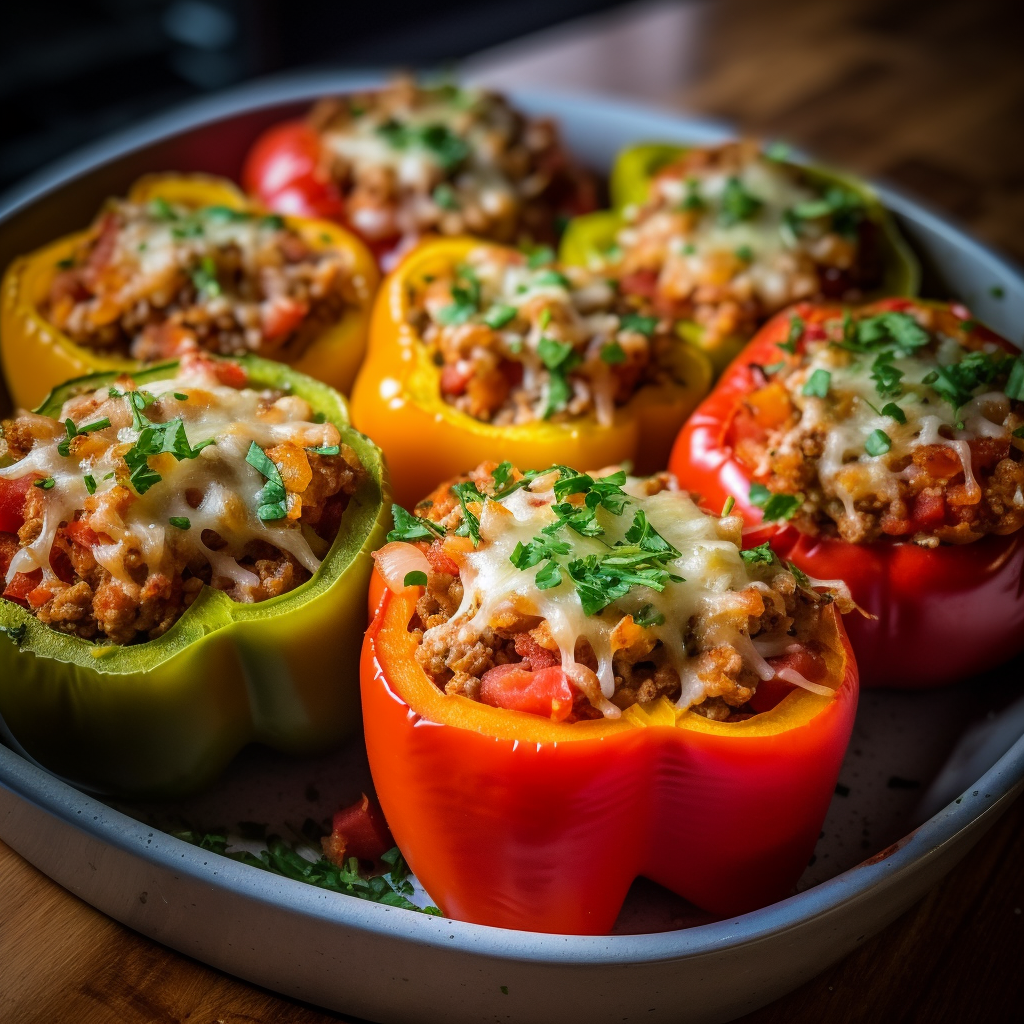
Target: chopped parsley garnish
x=645, y=325
x=648, y=616
x=1019, y=432
x=737, y=204
x=445, y=197
x=817, y=384
x=46, y=483
x=326, y=449
x=465, y=298
x=559, y=357
x=64, y=448
x=272, y=499
x=181, y=397
x=499, y=315
x=548, y=576
x=540, y=257
x=796, y=332
x=470, y=525
x=160, y=209
x=878, y=442
x=437, y=139
x=1015, y=383
x=762, y=553
x=802, y=579
x=416, y=578
x=843, y=207
x=603, y=579
x=180, y=522
x=155, y=439
x=886, y=375
x=893, y=411
x=745, y=253
x=693, y=200
x=774, y=506
x=613, y=353
x=774, y=367
x=90, y=483
x=957, y=382
x=551, y=277
x=272, y=222
x=884, y=331
x=409, y=527
x=224, y=214
x=204, y=277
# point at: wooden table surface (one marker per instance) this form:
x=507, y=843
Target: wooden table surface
x=928, y=94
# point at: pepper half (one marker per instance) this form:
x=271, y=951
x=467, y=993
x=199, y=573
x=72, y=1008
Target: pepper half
x=397, y=401
x=36, y=356
x=589, y=237
x=512, y=820
x=164, y=717
x=940, y=614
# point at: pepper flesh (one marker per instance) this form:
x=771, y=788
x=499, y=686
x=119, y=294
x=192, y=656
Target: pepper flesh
x=165, y=716
x=36, y=356
x=920, y=597
x=512, y=820
x=589, y=236
x=397, y=401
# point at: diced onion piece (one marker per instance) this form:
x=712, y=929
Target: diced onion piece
x=396, y=560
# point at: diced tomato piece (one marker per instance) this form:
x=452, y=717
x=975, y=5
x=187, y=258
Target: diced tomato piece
x=454, y=379
x=929, y=510
x=439, y=560
x=12, y=502
x=38, y=597
x=534, y=654
x=893, y=526
x=811, y=665
x=640, y=282
x=358, y=830
x=281, y=317
x=61, y=565
x=82, y=534
x=22, y=584
x=231, y=374
x=547, y=693
x=8, y=549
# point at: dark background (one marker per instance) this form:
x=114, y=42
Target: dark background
x=72, y=71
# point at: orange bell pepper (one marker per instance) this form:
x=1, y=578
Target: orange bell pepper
x=513, y=820
x=397, y=401
x=37, y=357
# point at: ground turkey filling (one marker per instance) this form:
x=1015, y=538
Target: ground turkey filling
x=116, y=566
x=518, y=339
x=154, y=280
x=905, y=424
x=709, y=651
x=729, y=236
x=410, y=160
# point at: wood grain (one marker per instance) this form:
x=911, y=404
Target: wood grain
x=926, y=93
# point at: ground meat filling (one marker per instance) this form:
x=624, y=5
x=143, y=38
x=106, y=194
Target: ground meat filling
x=410, y=159
x=518, y=339
x=708, y=652
x=106, y=572
x=154, y=280
x=729, y=236
x=905, y=424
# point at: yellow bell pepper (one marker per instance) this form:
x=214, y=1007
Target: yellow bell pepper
x=589, y=239
x=397, y=401
x=36, y=356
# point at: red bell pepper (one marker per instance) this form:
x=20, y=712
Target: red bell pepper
x=515, y=820
x=940, y=614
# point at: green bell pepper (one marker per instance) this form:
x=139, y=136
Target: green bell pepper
x=164, y=717
x=591, y=238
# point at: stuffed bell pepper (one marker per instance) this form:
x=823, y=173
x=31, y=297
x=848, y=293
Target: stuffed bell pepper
x=480, y=351
x=721, y=237
x=184, y=556
x=575, y=679
x=406, y=160
x=186, y=264
x=884, y=446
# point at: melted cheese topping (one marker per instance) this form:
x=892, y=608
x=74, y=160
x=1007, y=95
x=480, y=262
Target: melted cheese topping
x=227, y=486
x=709, y=562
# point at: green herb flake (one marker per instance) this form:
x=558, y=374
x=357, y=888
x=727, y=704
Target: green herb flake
x=645, y=325
x=540, y=257
x=46, y=484
x=796, y=332
x=817, y=384
x=1019, y=432
x=180, y=397
x=761, y=554
x=90, y=483
x=326, y=449
x=648, y=616
x=160, y=209
x=1015, y=382
x=445, y=197
x=499, y=316
x=180, y=522
x=411, y=528
x=745, y=253
x=467, y=492
x=553, y=278
x=693, y=201
x=737, y=204
x=894, y=412
x=272, y=500
x=877, y=442
x=774, y=506
x=613, y=353
x=204, y=277
x=416, y=578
